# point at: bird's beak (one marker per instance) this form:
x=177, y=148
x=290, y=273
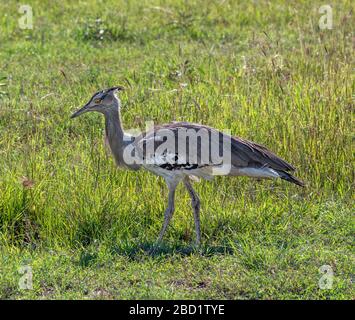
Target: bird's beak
x=80, y=111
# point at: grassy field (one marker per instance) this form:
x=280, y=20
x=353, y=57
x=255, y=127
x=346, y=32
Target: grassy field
x=263, y=69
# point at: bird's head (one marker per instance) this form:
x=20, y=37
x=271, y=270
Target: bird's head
x=102, y=101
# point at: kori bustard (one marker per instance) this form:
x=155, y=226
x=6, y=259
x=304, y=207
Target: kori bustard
x=168, y=151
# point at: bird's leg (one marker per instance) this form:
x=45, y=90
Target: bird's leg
x=195, y=202
x=169, y=210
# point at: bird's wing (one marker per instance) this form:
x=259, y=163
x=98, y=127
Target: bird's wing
x=258, y=155
x=170, y=141
x=186, y=145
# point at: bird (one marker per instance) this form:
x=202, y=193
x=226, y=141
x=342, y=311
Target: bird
x=183, y=152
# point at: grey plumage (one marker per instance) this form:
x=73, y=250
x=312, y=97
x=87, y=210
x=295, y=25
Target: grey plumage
x=174, y=163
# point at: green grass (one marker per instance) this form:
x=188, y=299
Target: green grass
x=265, y=71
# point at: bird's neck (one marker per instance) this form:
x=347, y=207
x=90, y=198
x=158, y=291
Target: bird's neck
x=115, y=134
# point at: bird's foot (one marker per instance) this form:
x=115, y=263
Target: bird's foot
x=155, y=247
x=197, y=246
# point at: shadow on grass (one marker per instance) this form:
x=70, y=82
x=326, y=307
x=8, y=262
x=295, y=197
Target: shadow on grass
x=87, y=258
x=151, y=249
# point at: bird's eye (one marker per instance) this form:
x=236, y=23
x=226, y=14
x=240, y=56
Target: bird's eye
x=97, y=100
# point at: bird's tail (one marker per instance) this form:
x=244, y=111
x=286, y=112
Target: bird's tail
x=290, y=178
